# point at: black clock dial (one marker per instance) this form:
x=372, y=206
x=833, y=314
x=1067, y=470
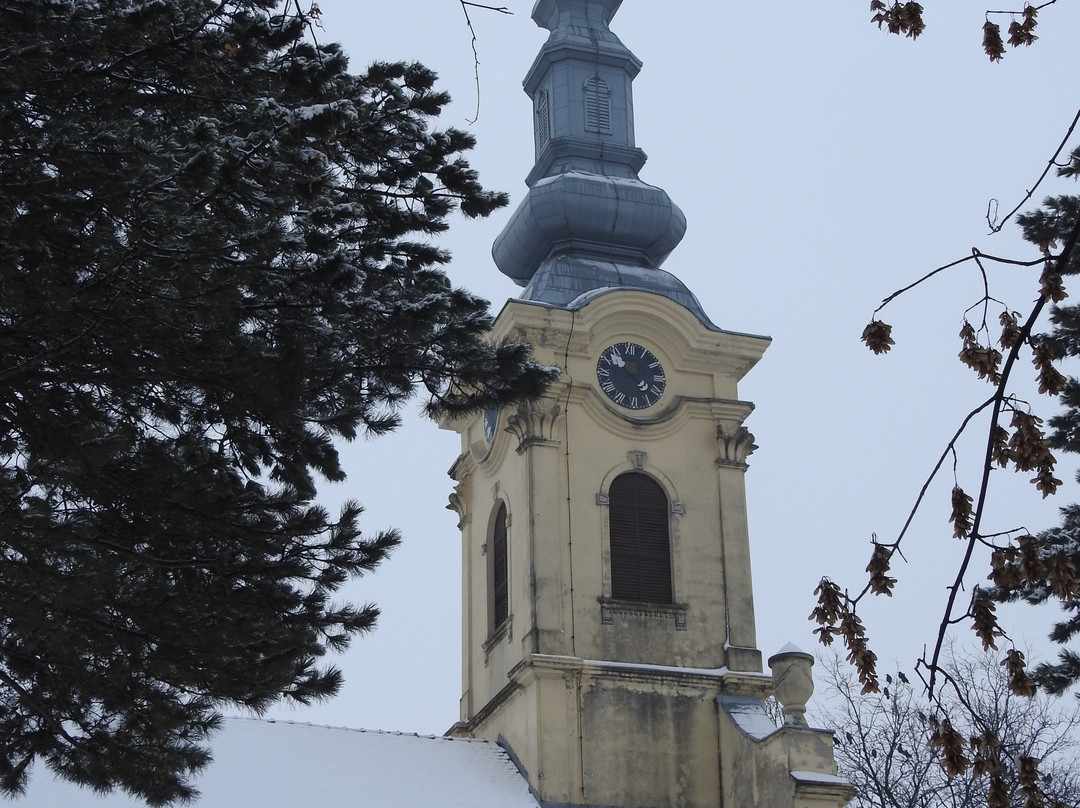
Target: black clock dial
x=630, y=375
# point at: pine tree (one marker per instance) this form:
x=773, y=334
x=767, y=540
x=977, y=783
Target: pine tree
x=214, y=261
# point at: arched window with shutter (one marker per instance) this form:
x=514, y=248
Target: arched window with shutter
x=597, y=106
x=640, y=542
x=499, y=569
x=543, y=119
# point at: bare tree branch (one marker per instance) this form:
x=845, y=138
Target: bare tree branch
x=476, y=55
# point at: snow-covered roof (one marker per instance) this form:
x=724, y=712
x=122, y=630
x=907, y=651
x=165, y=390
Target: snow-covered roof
x=281, y=764
x=749, y=715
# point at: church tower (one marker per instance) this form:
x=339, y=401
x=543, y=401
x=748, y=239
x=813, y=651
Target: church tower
x=608, y=620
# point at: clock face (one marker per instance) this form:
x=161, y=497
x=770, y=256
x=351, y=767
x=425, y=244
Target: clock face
x=630, y=375
x=491, y=420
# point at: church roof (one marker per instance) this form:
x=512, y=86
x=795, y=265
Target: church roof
x=281, y=764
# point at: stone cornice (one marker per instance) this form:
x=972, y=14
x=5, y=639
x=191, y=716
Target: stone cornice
x=463, y=467
x=722, y=680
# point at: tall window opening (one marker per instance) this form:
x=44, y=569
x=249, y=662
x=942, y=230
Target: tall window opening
x=639, y=539
x=543, y=119
x=499, y=572
x=597, y=106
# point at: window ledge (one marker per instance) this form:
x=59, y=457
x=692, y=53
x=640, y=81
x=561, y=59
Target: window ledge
x=502, y=631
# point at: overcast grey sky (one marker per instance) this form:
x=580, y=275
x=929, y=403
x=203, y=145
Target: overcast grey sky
x=821, y=165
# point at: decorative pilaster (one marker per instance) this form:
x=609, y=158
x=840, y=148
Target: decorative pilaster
x=534, y=423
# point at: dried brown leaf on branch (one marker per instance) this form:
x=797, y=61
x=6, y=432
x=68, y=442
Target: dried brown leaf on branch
x=1022, y=33
x=1028, y=771
x=907, y=19
x=1020, y=683
x=878, y=336
x=999, y=446
x=880, y=583
x=1029, y=451
x=1062, y=575
x=828, y=612
x=986, y=753
x=992, y=44
x=984, y=619
x=961, y=517
x=1028, y=446
x=899, y=18
x=950, y=744
x=1010, y=329
x=1031, y=566
x=830, y=602
x=859, y=654
x=834, y=617
x=1045, y=482
x=1050, y=283
x=983, y=359
x=1051, y=381
x=998, y=796
x=1004, y=572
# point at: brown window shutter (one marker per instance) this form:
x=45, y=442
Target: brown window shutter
x=640, y=544
x=499, y=572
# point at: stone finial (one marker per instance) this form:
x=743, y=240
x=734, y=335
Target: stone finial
x=793, y=682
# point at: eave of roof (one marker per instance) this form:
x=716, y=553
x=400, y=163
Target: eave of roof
x=281, y=764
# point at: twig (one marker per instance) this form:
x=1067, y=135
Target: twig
x=476, y=56
x=1051, y=163
x=1037, y=8
x=975, y=255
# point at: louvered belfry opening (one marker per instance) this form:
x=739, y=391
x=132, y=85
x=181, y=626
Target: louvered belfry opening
x=597, y=106
x=543, y=119
x=499, y=588
x=640, y=544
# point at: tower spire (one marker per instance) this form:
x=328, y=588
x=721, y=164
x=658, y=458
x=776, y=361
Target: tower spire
x=588, y=223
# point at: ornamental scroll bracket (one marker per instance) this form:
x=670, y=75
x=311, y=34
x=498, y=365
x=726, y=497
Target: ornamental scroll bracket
x=458, y=506
x=735, y=445
x=533, y=424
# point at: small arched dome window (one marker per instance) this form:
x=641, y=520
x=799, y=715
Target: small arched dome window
x=597, y=106
x=639, y=539
x=498, y=569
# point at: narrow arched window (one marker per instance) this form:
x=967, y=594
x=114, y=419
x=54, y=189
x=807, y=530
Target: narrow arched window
x=597, y=106
x=499, y=572
x=639, y=539
x=543, y=119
